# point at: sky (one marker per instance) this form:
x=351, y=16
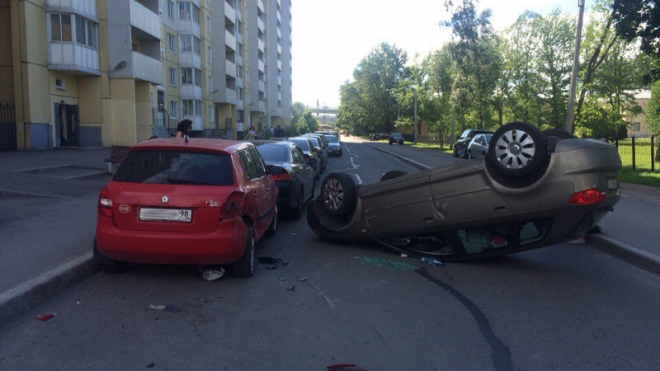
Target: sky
x=331, y=37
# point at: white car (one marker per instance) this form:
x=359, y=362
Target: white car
x=478, y=146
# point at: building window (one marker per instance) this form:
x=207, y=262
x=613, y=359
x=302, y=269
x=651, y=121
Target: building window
x=208, y=25
x=209, y=55
x=191, y=107
x=60, y=27
x=174, y=110
x=188, y=11
x=211, y=115
x=172, y=76
x=635, y=126
x=59, y=84
x=86, y=32
x=191, y=76
x=171, y=43
x=190, y=43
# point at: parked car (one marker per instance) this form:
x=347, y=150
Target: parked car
x=532, y=190
x=296, y=183
x=334, y=146
x=478, y=146
x=460, y=147
x=320, y=149
x=396, y=138
x=196, y=201
x=311, y=154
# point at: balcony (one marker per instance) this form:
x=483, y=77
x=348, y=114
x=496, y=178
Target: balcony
x=229, y=11
x=188, y=27
x=145, y=20
x=230, y=40
x=230, y=68
x=189, y=59
x=147, y=68
x=190, y=91
x=73, y=58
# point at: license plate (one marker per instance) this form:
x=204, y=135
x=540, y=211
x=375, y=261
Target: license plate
x=168, y=215
x=612, y=183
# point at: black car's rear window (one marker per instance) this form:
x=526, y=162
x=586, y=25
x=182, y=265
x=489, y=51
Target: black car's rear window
x=274, y=153
x=176, y=167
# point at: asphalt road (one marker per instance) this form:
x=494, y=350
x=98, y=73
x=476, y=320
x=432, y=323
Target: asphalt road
x=563, y=307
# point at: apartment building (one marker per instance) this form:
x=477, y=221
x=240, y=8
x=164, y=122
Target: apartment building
x=117, y=72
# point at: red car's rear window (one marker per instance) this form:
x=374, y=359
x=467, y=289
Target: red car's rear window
x=176, y=167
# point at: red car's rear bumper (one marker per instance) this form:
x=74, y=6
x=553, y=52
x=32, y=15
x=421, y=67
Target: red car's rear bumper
x=224, y=245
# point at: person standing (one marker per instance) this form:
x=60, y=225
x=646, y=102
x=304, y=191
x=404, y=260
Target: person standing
x=252, y=133
x=184, y=128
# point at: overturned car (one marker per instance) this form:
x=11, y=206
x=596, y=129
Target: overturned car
x=533, y=189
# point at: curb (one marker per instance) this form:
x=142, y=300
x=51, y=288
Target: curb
x=610, y=246
x=625, y=252
x=25, y=297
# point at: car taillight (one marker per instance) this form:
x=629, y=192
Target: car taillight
x=588, y=197
x=284, y=177
x=105, y=203
x=233, y=206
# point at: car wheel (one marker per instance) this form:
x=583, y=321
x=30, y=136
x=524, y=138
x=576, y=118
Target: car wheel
x=455, y=152
x=554, y=135
x=272, y=229
x=517, y=149
x=296, y=212
x=470, y=157
x=245, y=266
x=338, y=194
x=392, y=174
x=464, y=153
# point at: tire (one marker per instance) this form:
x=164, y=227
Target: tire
x=272, y=229
x=469, y=156
x=338, y=193
x=245, y=266
x=464, y=153
x=554, y=135
x=455, y=152
x=517, y=149
x=296, y=212
x=392, y=174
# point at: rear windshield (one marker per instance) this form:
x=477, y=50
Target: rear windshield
x=302, y=143
x=176, y=167
x=274, y=152
x=331, y=139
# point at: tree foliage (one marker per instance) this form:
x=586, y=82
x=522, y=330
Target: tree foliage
x=639, y=19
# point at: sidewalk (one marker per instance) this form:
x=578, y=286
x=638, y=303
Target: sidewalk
x=47, y=219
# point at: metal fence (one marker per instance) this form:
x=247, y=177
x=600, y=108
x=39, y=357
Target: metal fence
x=7, y=127
x=638, y=153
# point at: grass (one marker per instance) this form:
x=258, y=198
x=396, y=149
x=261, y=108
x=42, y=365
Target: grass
x=628, y=175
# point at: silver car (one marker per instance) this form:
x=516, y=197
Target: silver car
x=532, y=190
x=478, y=145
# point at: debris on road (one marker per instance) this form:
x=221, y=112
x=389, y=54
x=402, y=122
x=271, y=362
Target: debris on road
x=431, y=261
x=271, y=263
x=45, y=316
x=169, y=308
x=212, y=274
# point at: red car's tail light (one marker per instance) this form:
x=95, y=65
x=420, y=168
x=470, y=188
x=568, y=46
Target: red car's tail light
x=233, y=206
x=105, y=203
x=284, y=177
x=588, y=197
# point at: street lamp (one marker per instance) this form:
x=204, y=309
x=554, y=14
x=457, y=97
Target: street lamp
x=576, y=59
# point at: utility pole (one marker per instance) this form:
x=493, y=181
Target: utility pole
x=576, y=61
x=415, y=133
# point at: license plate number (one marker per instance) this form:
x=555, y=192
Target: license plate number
x=168, y=215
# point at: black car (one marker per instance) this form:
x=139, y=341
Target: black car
x=334, y=146
x=396, y=138
x=460, y=147
x=296, y=183
x=311, y=155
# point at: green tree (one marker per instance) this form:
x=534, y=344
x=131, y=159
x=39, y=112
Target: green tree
x=639, y=19
x=476, y=53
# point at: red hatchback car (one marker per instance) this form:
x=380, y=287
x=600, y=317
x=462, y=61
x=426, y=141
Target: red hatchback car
x=200, y=201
